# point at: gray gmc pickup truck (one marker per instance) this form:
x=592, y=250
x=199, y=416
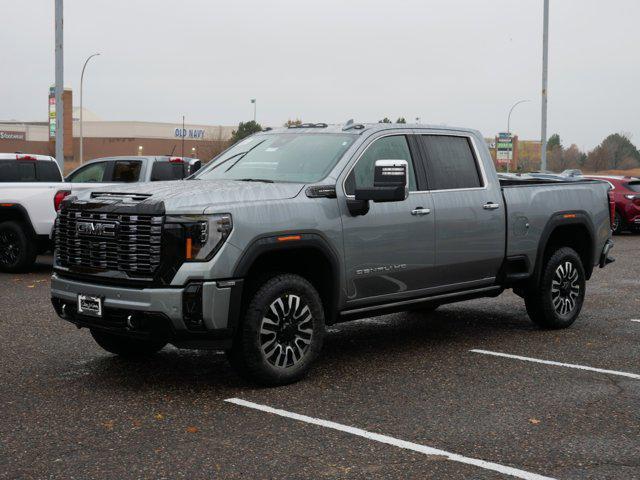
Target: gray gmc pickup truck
x=294, y=229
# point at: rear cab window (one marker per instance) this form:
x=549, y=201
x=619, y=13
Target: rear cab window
x=165, y=170
x=451, y=163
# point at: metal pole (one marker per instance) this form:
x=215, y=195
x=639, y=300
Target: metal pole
x=59, y=85
x=509, y=127
x=545, y=63
x=183, y=135
x=255, y=106
x=81, y=80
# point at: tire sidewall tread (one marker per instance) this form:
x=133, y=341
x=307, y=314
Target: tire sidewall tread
x=538, y=301
x=246, y=355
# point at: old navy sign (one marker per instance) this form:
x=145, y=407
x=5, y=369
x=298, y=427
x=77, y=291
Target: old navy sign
x=189, y=133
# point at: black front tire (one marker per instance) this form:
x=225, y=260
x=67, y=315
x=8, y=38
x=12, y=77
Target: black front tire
x=281, y=332
x=557, y=300
x=18, y=250
x=126, y=346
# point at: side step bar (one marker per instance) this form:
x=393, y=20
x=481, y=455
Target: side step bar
x=381, y=309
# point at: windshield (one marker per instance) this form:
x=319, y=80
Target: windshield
x=285, y=157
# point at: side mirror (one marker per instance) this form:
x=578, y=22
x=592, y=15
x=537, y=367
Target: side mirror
x=390, y=182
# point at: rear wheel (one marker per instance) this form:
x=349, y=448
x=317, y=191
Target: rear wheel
x=281, y=332
x=126, y=346
x=17, y=249
x=557, y=300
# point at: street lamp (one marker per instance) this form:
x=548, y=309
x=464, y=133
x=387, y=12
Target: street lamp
x=509, y=127
x=253, y=100
x=81, y=81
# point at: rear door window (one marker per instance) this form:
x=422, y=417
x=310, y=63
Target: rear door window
x=451, y=163
x=48, y=172
x=165, y=170
x=126, y=171
x=93, y=173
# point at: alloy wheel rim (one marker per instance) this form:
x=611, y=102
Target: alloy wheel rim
x=286, y=331
x=565, y=288
x=9, y=248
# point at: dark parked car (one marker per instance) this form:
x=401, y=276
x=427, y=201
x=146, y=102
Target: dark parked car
x=626, y=194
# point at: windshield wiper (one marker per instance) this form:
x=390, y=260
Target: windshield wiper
x=264, y=180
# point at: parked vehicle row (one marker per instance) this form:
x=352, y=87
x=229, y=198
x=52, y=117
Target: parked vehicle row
x=33, y=187
x=297, y=228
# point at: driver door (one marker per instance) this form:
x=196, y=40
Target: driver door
x=389, y=251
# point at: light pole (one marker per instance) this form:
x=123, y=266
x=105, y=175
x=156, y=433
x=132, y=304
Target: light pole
x=253, y=100
x=545, y=63
x=509, y=127
x=81, y=112
x=59, y=48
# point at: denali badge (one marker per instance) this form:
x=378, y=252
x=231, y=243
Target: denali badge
x=96, y=229
x=382, y=269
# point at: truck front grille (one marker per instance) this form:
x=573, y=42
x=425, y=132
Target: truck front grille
x=108, y=241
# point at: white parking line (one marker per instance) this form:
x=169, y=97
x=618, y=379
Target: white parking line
x=558, y=364
x=635, y=320
x=496, y=467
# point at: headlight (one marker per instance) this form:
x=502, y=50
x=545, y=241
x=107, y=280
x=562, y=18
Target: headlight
x=203, y=234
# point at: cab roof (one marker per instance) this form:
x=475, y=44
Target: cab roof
x=356, y=128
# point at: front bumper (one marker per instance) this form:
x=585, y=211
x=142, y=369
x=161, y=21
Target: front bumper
x=143, y=312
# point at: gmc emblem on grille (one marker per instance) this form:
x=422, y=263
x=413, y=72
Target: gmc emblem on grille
x=96, y=229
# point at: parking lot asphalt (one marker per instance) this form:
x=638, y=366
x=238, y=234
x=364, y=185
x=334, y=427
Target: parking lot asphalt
x=70, y=410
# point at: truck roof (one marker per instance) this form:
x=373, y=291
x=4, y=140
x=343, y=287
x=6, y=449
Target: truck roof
x=26, y=156
x=356, y=128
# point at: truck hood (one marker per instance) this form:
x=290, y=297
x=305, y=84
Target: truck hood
x=194, y=196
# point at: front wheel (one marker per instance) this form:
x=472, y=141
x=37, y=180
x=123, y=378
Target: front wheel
x=557, y=300
x=17, y=248
x=126, y=346
x=281, y=333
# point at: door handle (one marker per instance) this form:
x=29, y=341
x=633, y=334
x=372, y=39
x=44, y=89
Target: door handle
x=491, y=206
x=420, y=211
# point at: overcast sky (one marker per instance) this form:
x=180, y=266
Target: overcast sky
x=454, y=62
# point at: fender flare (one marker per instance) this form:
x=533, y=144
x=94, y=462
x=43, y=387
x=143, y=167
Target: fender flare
x=18, y=210
x=273, y=242
x=563, y=219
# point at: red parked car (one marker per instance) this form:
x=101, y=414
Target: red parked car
x=626, y=194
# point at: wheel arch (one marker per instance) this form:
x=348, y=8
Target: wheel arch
x=306, y=254
x=14, y=212
x=567, y=229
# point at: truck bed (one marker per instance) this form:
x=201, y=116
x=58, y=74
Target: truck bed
x=532, y=203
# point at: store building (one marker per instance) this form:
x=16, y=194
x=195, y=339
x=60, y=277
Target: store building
x=109, y=138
